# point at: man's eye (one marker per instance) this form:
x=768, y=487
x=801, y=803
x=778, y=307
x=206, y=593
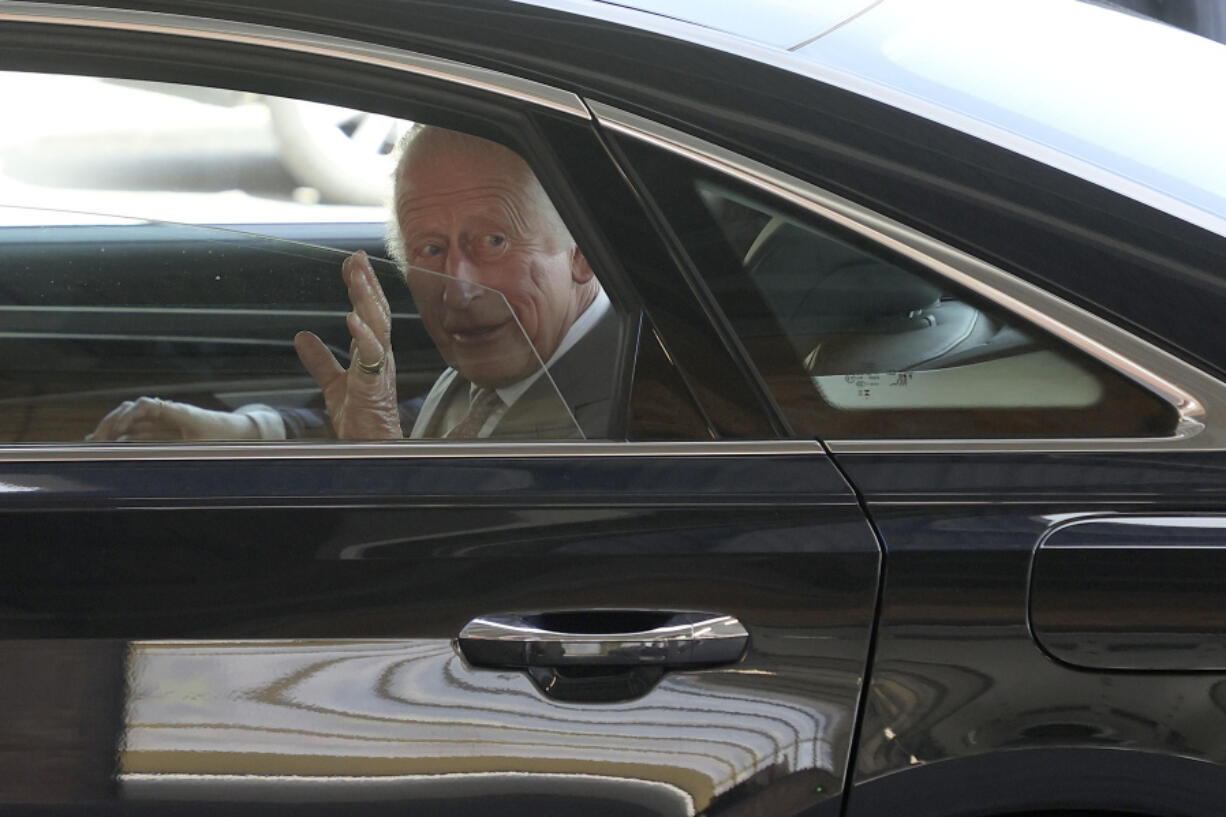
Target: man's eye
x=429, y=255
x=490, y=247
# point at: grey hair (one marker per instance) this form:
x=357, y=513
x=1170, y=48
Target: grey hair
x=393, y=237
x=409, y=143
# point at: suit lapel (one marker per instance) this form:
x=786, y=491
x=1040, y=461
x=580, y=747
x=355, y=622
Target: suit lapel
x=540, y=413
x=434, y=409
x=585, y=383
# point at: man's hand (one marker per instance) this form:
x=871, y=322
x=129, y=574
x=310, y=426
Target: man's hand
x=150, y=418
x=361, y=400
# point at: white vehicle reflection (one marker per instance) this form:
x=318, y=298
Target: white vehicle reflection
x=193, y=155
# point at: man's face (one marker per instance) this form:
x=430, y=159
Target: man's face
x=476, y=216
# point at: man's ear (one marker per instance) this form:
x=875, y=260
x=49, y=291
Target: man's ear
x=580, y=270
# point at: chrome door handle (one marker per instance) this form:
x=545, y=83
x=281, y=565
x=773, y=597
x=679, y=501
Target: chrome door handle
x=569, y=639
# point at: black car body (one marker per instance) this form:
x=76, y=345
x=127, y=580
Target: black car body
x=989, y=603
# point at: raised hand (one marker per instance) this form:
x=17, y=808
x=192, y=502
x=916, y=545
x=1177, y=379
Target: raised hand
x=361, y=400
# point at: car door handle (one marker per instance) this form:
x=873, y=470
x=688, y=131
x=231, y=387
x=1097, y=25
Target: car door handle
x=603, y=638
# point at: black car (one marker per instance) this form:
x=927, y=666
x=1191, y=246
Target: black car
x=912, y=502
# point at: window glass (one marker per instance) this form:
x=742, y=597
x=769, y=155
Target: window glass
x=193, y=264
x=891, y=350
x=853, y=341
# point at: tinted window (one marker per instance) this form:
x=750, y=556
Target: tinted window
x=856, y=341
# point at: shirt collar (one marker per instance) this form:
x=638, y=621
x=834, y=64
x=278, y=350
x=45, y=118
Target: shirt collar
x=582, y=325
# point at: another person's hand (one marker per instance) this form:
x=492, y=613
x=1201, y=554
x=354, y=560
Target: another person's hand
x=150, y=418
x=361, y=400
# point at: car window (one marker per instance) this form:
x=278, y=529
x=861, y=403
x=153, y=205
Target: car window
x=112, y=330
x=173, y=264
x=856, y=341
x=893, y=351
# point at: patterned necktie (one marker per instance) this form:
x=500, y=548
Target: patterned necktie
x=484, y=403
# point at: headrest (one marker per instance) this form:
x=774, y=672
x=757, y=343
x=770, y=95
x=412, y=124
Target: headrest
x=815, y=283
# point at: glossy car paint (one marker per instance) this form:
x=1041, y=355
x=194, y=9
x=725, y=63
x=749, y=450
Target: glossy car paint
x=1153, y=600
x=960, y=688
x=1085, y=105
x=295, y=629
x=778, y=23
x=966, y=714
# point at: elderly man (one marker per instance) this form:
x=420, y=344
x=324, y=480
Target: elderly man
x=501, y=289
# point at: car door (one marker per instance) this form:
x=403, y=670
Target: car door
x=1045, y=484
x=325, y=624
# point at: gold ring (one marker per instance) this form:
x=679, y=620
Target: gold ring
x=370, y=368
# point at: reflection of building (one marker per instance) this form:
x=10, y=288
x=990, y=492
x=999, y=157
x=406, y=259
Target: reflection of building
x=410, y=720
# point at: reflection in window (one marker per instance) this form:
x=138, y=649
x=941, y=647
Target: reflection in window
x=891, y=351
x=190, y=154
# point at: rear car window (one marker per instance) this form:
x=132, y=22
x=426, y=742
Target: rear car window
x=853, y=340
x=891, y=350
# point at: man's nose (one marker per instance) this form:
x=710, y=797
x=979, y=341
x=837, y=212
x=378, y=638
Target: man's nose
x=462, y=286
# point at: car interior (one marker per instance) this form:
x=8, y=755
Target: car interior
x=909, y=343
x=889, y=349
x=94, y=314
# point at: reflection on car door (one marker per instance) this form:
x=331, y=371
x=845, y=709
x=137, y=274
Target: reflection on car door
x=291, y=624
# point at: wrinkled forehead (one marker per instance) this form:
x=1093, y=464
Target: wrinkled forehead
x=438, y=160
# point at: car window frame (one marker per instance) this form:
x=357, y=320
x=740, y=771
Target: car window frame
x=511, y=106
x=1198, y=397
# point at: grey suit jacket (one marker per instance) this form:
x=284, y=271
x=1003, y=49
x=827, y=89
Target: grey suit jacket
x=586, y=379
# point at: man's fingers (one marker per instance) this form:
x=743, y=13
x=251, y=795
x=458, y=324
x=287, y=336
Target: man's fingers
x=370, y=321
x=108, y=426
x=376, y=288
x=317, y=358
x=367, y=296
x=368, y=302
x=144, y=413
x=370, y=348
x=361, y=403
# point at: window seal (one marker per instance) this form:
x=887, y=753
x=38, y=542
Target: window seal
x=205, y=28
x=407, y=450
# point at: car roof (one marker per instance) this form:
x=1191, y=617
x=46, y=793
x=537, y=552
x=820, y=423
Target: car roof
x=1131, y=96
x=787, y=24
x=1123, y=101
